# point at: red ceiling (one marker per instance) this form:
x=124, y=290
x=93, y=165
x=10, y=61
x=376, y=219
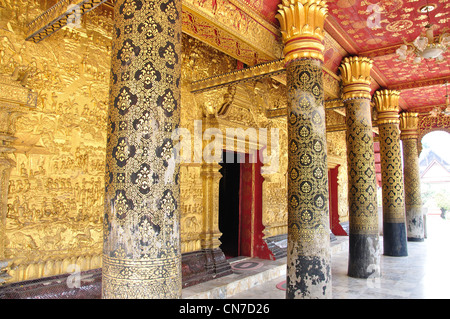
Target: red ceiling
x=422, y=99
x=399, y=21
x=398, y=72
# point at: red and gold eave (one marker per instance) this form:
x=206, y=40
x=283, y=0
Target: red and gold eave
x=349, y=34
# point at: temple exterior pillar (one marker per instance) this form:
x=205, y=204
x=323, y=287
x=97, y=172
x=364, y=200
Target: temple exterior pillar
x=141, y=252
x=308, y=253
x=413, y=201
x=394, y=230
x=364, y=251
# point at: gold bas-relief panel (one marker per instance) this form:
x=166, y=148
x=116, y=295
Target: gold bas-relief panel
x=56, y=189
x=55, y=203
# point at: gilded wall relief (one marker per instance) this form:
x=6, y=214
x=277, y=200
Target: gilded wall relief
x=55, y=203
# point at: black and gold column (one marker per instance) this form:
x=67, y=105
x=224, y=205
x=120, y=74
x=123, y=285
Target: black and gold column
x=413, y=201
x=364, y=251
x=141, y=254
x=394, y=230
x=308, y=259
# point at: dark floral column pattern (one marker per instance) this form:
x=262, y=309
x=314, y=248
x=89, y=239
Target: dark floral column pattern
x=364, y=251
x=413, y=201
x=141, y=255
x=394, y=230
x=308, y=253
x=309, y=273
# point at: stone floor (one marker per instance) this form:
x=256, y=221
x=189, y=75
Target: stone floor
x=423, y=274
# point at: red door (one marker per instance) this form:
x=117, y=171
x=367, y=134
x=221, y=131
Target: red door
x=333, y=200
x=251, y=228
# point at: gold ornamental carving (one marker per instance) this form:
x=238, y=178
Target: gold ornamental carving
x=355, y=72
x=53, y=220
x=230, y=27
x=259, y=71
x=409, y=123
x=386, y=102
x=63, y=13
x=302, y=28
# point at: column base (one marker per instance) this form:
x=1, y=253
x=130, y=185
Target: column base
x=394, y=240
x=203, y=265
x=416, y=239
x=364, y=256
x=308, y=277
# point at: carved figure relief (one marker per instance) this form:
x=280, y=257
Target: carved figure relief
x=56, y=189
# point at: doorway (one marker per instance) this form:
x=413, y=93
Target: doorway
x=240, y=207
x=229, y=187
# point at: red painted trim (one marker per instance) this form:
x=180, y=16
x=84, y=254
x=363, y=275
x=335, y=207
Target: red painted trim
x=333, y=199
x=251, y=242
x=302, y=39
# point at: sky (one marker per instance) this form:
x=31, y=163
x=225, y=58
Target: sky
x=439, y=142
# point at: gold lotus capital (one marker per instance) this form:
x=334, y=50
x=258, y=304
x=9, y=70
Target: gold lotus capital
x=355, y=73
x=409, y=123
x=301, y=24
x=386, y=102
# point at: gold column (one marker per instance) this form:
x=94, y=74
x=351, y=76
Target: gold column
x=364, y=252
x=308, y=254
x=211, y=179
x=141, y=252
x=413, y=201
x=394, y=230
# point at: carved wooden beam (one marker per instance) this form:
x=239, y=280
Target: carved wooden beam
x=231, y=27
x=64, y=12
x=256, y=72
x=274, y=69
x=228, y=26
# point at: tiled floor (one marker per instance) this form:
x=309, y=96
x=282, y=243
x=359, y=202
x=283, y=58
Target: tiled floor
x=424, y=273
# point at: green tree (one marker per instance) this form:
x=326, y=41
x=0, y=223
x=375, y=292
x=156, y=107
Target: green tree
x=443, y=201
